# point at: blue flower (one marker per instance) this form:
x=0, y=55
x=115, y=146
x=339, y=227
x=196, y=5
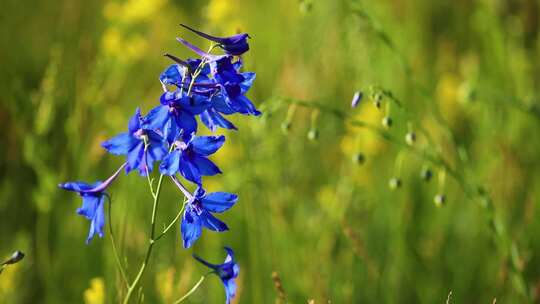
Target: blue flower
x=233, y=45
x=132, y=144
x=176, y=114
x=93, y=196
x=198, y=214
x=190, y=158
x=213, y=116
x=227, y=272
x=234, y=85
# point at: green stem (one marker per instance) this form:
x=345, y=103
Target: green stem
x=133, y=285
x=116, y=255
x=171, y=224
x=192, y=290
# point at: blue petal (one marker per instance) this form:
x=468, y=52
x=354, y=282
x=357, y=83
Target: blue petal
x=219, y=201
x=205, y=166
x=189, y=171
x=218, y=103
x=135, y=157
x=170, y=163
x=230, y=257
x=89, y=206
x=206, y=145
x=187, y=123
x=230, y=290
x=97, y=223
x=77, y=186
x=245, y=85
x=156, y=118
x=211, y=222
x=135, y=122
x=120, y=144
x=243, y=105
x=172, y=75
x=191, y=227
x=195, y=104
x=213, y=119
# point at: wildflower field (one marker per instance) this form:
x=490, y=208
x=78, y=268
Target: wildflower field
x=285, y=151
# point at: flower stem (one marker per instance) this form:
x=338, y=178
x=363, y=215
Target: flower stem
x=133, y=285
x=192, y=290
x=115, y=250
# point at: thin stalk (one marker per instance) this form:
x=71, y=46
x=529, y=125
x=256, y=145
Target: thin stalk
x=115, y=250
x=133, y=285
x=192, y=290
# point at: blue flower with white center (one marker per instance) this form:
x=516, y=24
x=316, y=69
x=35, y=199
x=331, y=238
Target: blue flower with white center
x=191, y=158
x=233, y=45
x=176, y=114
x=93, y=197
x=132, y=144
x=198, y=214
x=227, y=272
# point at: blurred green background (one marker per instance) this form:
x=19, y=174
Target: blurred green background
x=466, y=72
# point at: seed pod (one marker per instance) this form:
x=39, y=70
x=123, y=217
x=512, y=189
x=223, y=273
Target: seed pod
x=410, y=138
x=377, y=99
x=439, y=200
x=313, y=134
x=426, y=174
x=358, y=158
x=387, y=122
x=285, y=127
x=357, y=98
x=394, y=183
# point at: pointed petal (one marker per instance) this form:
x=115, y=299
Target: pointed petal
x=135, y=157
x=211, y=222
x=170, y=163
x=191, y=227
x=89, y=206
x=206, y=145
x=189, y=171
x=120, y=144
x=230, y=255
x=156, y=118
x=230, y=290
x=205, y=166
x=219, y=201
x=135, y=121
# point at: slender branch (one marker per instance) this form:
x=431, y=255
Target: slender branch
x=150, y=245
x=192, y=290
x=115, y=250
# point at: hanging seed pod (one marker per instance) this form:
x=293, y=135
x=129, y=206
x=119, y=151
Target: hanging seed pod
x=377, y=100
x=286, y=127
x=357, y=98
x=313, y=134
x=387, y=122
x=426, y=174
x=439, y=200
x=394, y=183
x=410, y=138
x=359, y=158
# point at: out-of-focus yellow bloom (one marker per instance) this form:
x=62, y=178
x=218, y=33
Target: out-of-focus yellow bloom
x=447, y=97
x=133, y=11
x=165, y=284
x=224, y=14
x=360, y=140
x=112, y=42
x=95, y=294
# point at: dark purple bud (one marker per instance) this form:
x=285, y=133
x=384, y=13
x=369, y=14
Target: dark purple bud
x=15, y=258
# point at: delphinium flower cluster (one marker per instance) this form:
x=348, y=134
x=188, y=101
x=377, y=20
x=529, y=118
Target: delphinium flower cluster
x=210, y=87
